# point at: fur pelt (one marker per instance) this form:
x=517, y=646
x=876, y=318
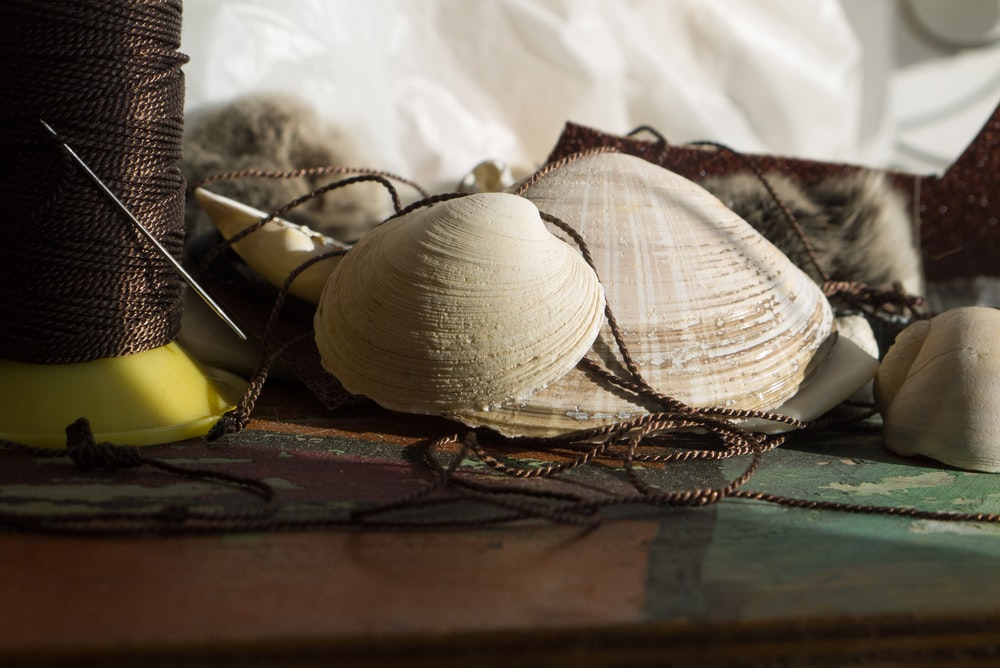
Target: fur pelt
x=856, y=224
x=278, y=132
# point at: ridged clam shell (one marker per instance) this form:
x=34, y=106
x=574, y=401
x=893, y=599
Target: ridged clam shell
x=712, y=313
x=458, y=306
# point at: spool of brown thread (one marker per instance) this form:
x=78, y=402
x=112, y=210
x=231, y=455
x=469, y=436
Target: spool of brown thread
x=78, y=285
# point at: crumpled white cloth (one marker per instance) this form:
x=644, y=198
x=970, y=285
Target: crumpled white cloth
x=431, y=87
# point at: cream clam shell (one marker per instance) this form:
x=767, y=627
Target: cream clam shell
x=712, y=313
x=276, y=249
x=458, y=306
x=938, y=389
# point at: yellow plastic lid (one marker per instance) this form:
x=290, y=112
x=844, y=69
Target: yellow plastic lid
x=157, y=396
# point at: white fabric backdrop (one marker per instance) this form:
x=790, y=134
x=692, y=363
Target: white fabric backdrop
x=430, y=87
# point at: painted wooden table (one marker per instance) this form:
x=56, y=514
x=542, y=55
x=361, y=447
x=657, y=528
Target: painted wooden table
x=737, y=583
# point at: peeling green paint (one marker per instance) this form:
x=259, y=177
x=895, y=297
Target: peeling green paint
x=893, y=484
x=954, y=528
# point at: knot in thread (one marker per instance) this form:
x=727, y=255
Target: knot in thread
x=232, y=421
x=890, y=301
x=88, y=454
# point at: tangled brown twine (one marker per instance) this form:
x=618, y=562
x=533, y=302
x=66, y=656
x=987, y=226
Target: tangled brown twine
x=77, y=282
x=671, y=435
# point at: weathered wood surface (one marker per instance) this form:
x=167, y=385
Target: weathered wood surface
x=735, y=583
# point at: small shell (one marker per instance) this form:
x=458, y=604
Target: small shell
x=489, y=176
x=277, y=248
x=857, y=329
x=458, y=306
x=712, y=313
x=938, y=389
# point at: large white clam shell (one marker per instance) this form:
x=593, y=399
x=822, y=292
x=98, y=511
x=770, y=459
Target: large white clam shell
x=712, y=313
x=458, y=306
x=938, y=389
x=277, y=248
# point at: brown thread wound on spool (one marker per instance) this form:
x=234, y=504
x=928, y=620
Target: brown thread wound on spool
x=77, y=283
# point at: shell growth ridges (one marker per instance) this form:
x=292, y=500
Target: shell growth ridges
x=461, y=305
x=711, y=309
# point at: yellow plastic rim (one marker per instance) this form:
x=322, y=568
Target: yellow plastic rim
x=158, y=396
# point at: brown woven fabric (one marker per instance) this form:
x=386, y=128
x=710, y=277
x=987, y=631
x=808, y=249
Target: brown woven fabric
x=77, y=282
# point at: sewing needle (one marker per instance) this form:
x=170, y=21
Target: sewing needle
x=142, y=228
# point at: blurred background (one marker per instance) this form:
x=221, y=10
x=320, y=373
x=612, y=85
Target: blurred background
x=430, y=88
